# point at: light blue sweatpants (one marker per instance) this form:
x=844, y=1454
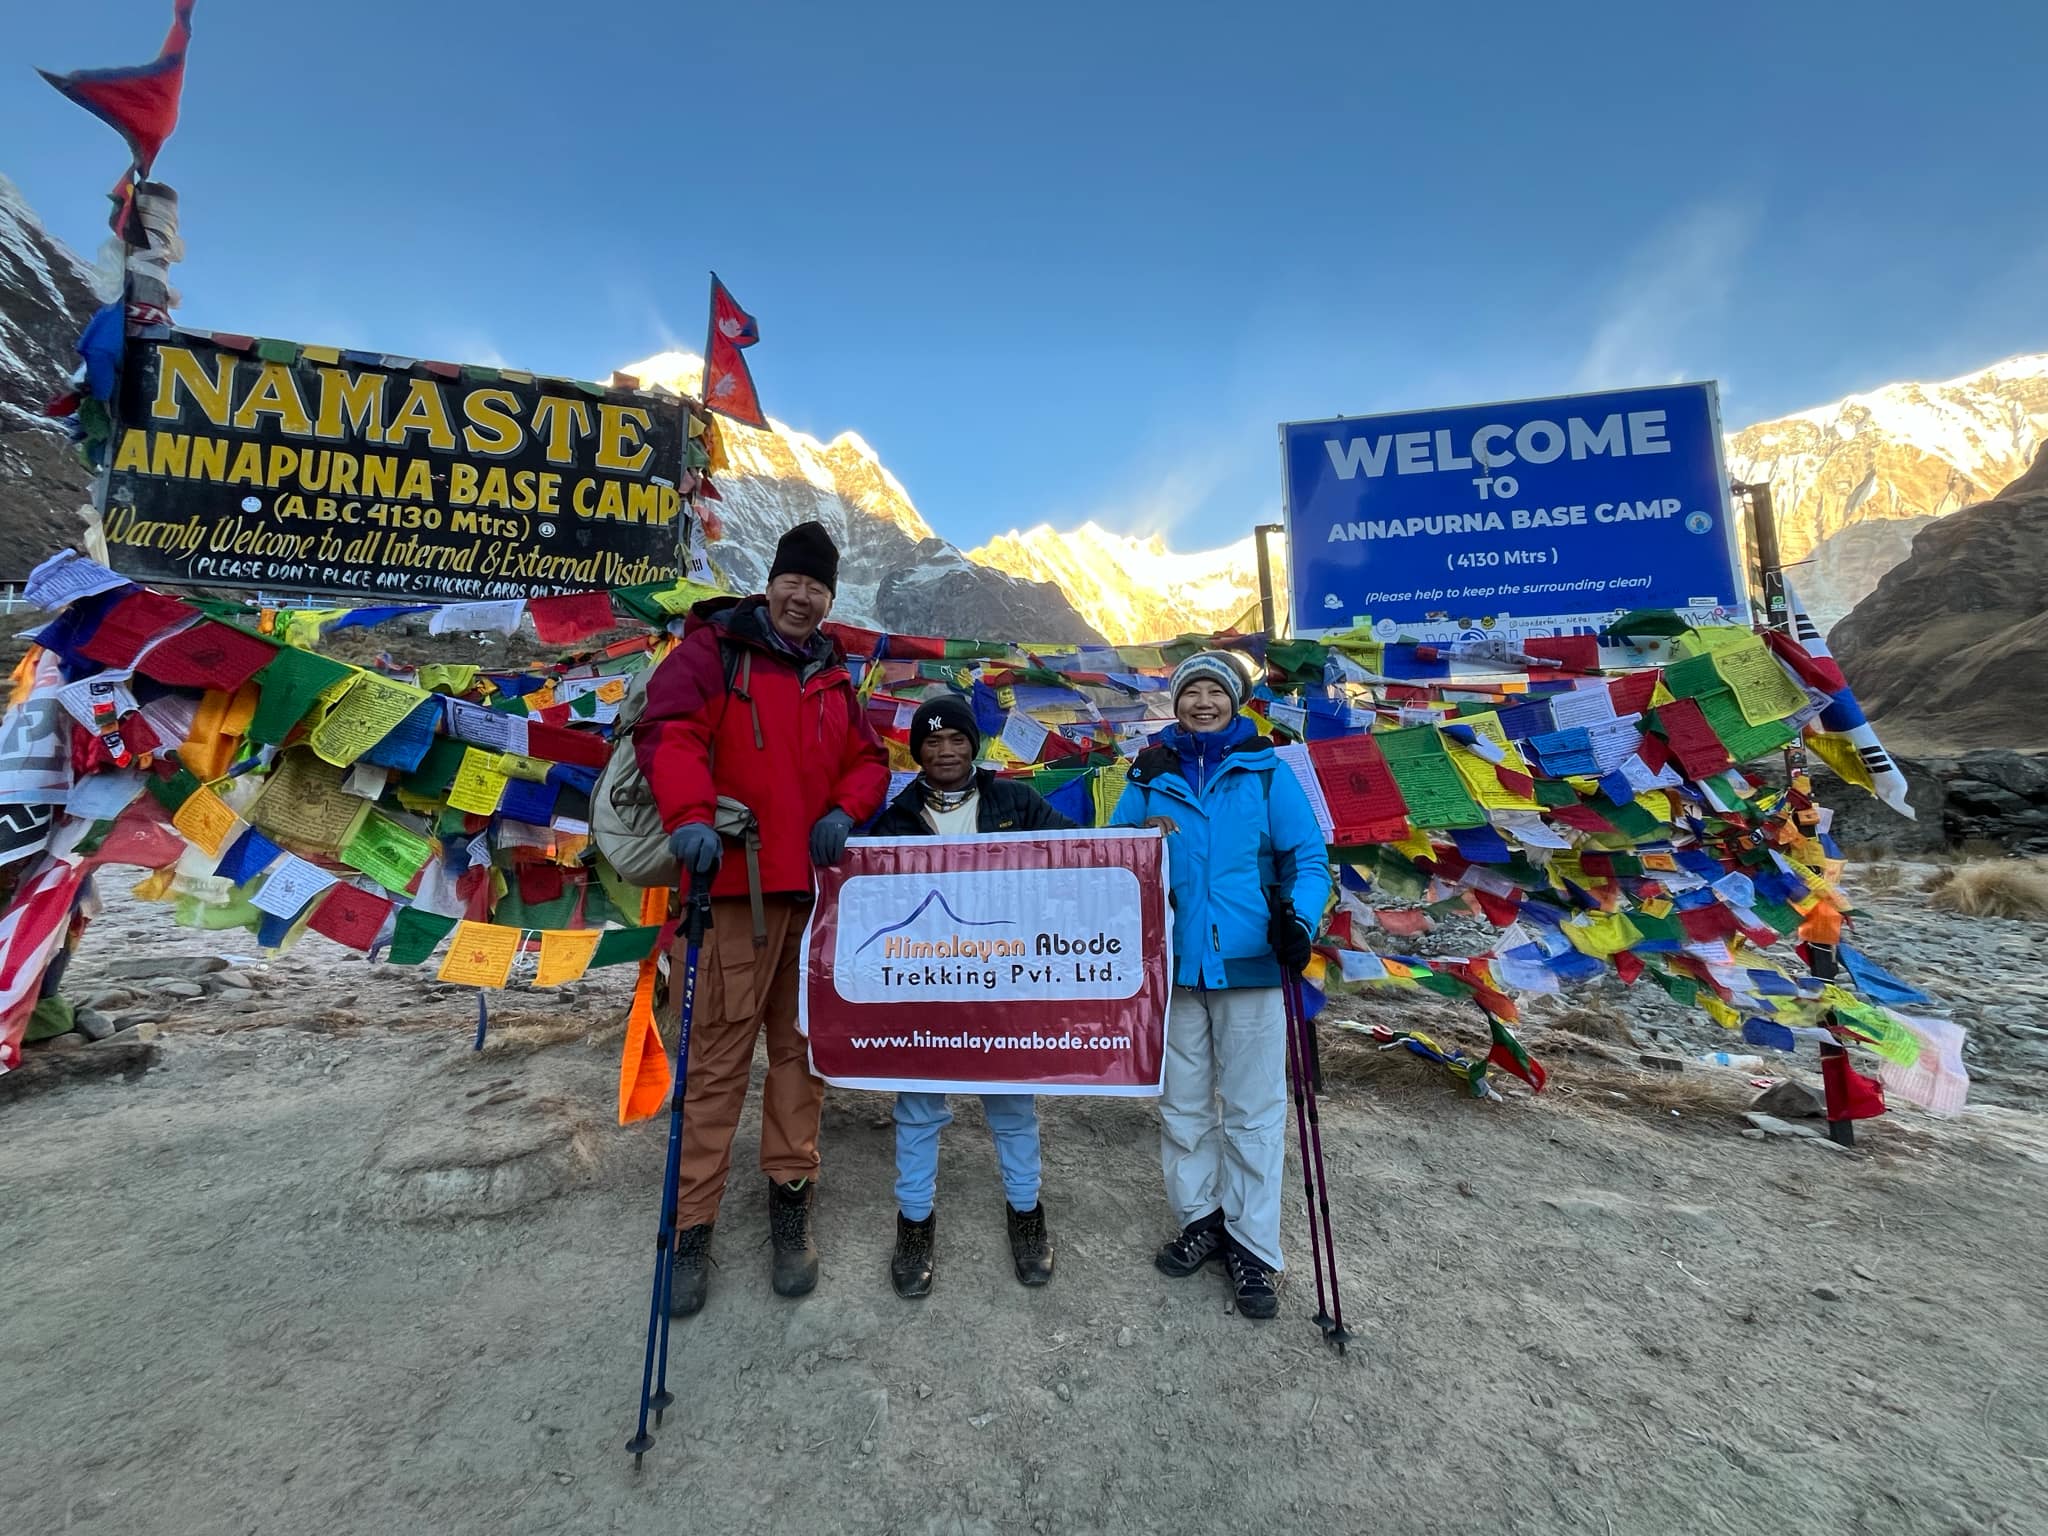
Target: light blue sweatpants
x=1013, y=1117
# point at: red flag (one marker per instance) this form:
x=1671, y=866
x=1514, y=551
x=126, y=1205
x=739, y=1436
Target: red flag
x=574, y=616
x=139, y=103
x=1850, y=1095
x=728, y=385
x=350, y=915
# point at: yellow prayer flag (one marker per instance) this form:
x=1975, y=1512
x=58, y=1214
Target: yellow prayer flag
x=447, y=677
x=481, y=954
x=479, y=783
x=514, y=766
x=1601, y=934
x=1110, y=780
x=1415, y=845
x=206, y=819
x=1839, y=753
x=611, y=690
x=564, y=955
x=156, y=886
x=371, y=709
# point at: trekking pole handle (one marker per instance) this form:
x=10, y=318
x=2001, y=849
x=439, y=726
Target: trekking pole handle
x=697, y=908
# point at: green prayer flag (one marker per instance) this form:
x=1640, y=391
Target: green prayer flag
x=417, y=934
x=1682, y=989
x=277, y=351
x=1693, y=677
x=1631, y=819
x=288, y=685
x=1442, y=985
x=620, y=945
x=174, y=791
x=436, y=770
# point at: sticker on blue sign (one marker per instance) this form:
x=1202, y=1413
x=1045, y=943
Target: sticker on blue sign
x=1516, y=519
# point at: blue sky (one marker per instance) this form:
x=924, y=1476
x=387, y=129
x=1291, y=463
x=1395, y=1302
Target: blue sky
x=1068, y=261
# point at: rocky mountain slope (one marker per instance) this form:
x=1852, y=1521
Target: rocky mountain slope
x=894, y=574
x=1950, y=649
x=1136, y=590
x=46, y=296
x=1842, y=475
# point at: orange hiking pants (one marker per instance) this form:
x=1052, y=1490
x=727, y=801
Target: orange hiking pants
x=739, y=989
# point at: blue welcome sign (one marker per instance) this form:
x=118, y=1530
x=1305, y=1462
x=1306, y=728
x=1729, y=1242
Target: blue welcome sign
x=1530, y=517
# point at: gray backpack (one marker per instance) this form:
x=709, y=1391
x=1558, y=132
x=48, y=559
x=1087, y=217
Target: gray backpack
x=624, y=821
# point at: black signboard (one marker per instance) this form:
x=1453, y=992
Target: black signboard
x=290, y=469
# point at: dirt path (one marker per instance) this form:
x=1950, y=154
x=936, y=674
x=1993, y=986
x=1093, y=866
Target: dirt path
x=296, y=1281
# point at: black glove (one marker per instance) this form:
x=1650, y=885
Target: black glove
x=1290, y=940
x=828, y=837
x=696, y=848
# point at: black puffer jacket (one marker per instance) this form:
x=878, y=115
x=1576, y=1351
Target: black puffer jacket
x=1003, y=805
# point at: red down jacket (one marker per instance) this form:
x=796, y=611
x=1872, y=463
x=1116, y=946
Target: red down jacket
x=696, y=740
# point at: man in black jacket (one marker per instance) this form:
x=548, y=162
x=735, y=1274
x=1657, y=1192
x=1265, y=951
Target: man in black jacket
x=952, y=797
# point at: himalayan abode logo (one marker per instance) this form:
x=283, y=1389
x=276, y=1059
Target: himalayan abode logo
x=951, y=937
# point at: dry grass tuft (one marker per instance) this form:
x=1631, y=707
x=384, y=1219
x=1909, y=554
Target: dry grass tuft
x=2011, y=888
x=1881, y=879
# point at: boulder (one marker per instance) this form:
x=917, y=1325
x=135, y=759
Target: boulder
x=150, y=967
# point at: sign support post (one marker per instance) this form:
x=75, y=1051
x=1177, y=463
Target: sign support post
x=1763, y=525
x=1267, y=612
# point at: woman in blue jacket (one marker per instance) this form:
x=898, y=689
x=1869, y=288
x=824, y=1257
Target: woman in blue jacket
x=1250, y=879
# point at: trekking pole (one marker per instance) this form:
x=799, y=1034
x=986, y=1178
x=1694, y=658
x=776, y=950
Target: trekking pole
x=1335, y=1332
x=1297, y=1071
x=654, y=1391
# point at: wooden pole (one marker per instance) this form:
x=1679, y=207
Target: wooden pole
x=1268, y=619
x=1777, y=614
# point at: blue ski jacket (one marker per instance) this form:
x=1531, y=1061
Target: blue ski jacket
x=1246, y=834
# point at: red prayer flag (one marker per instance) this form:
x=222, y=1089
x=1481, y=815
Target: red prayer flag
x=1699, y=751
x=577, y=616
x=1501, y=911
x=1365, y=802
x=1403, y=923
x=1581, y=818
x=1850, y=1095
x=558, y=744
x=539, y=883
x=139, y=102
x=728, y=384
x=854, y=640
x=209, y=655
x=1628, y=966
x=139, y=617
x=1821, y=672
x=1631, y=694
x=1575, y=653
x=350, y=915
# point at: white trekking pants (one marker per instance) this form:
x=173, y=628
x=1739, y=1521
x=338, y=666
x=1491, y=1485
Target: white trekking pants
x=1223, y=1111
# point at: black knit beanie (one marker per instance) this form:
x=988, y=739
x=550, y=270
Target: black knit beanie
x=948, y=712
x=808, y=550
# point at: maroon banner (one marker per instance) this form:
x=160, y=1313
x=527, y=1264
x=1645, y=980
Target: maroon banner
x=1014, y=963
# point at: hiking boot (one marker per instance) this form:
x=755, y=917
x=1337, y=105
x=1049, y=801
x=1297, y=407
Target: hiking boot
x=1198, y=1243
x=789, y=1228
x=910, y=1270
x=689, y=1272
x=1030, y=1244
x=1251, y=1280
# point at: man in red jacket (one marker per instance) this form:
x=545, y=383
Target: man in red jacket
x=755, y=705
